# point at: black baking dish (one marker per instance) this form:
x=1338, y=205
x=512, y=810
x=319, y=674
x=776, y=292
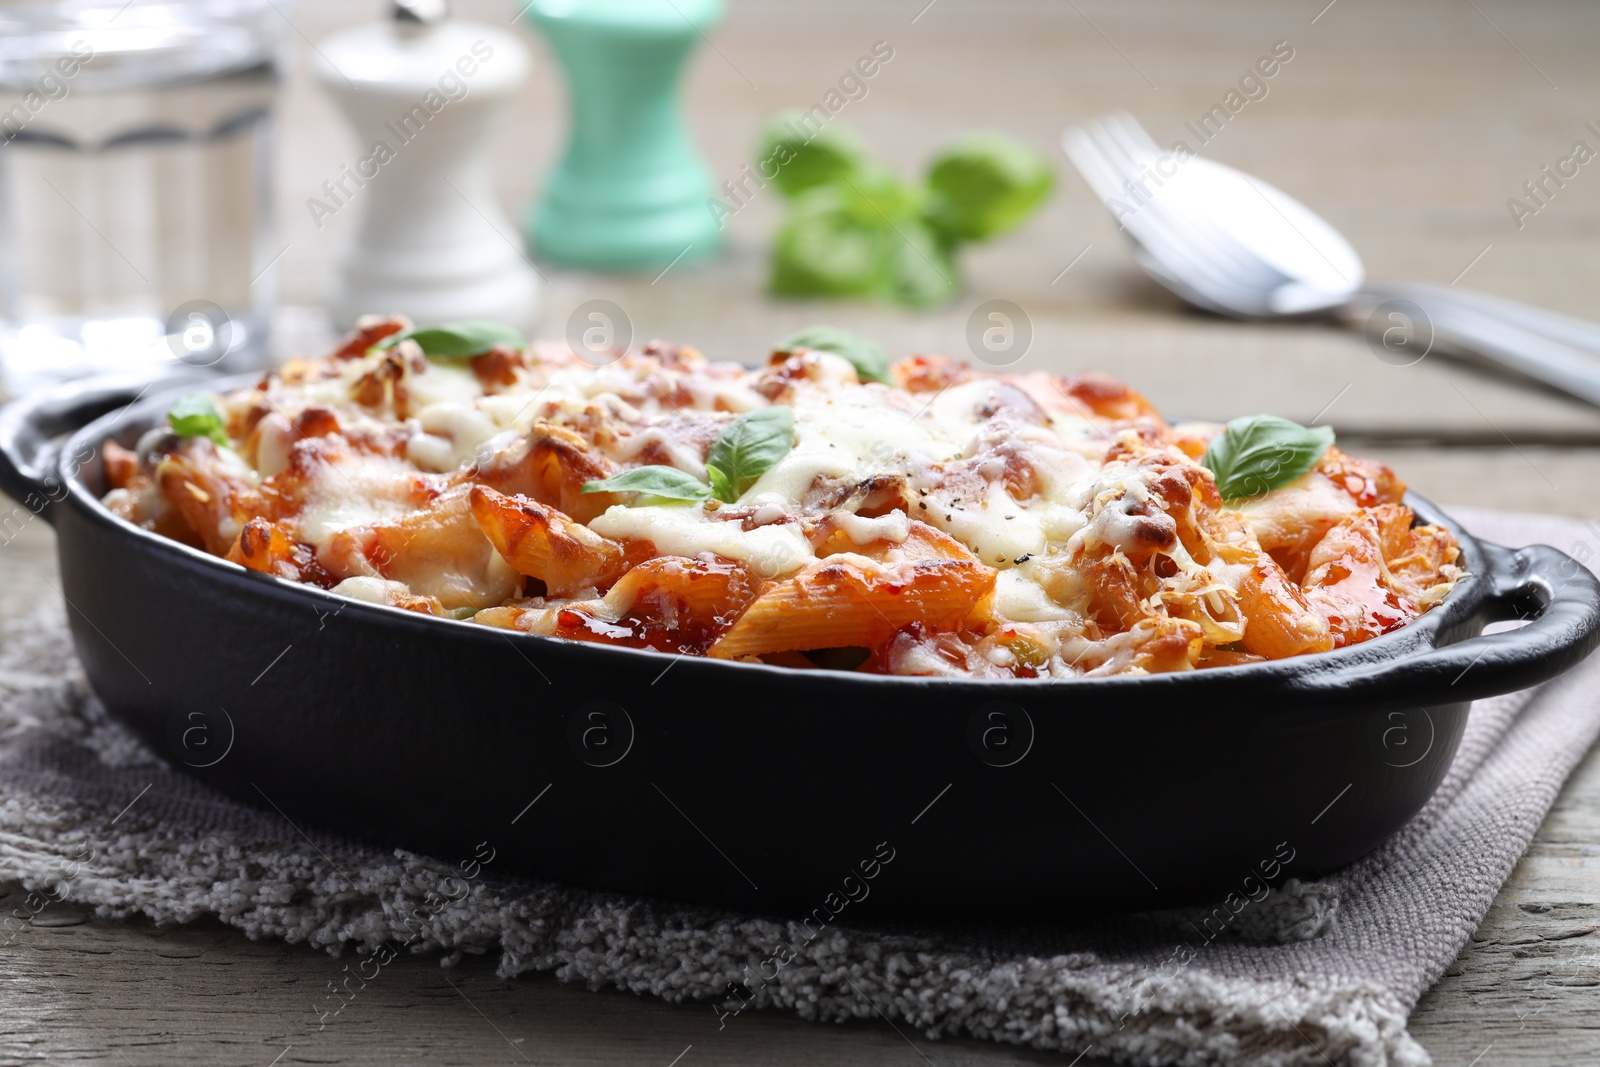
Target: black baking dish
x=766, y=787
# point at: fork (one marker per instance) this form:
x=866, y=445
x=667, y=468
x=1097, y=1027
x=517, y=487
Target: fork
x=1232, y=244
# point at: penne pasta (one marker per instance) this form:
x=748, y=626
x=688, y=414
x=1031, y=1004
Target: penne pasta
x=264, y=546
x=215, y=500
x=684, y=593
x=541, y=542
x=822, y=511
x=1351, y=580
x=440, y=552
x=848, y=601
x=552, y=465
x=1279, y=620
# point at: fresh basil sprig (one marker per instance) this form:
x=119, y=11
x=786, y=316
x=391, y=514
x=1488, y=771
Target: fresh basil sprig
x=457, y=340
x=867, y=357
x=1259, y=453
x=830, y=155
x=984, y=185
x=750, y=446
x=669, y=483
x=194, y=415
x=747, y=449
x=857, y=228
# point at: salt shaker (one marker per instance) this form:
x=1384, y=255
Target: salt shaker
x=424, y=93
x=630, y=191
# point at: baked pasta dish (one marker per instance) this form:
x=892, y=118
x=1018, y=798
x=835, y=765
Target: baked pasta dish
x=828, y=509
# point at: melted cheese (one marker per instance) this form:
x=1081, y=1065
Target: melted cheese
x=372, y=590
x=689, y=531
x=994, y=526
x=680, y=454
x=1019, y=597
x=442, y=383
x=999, y=463
x=357, y=491
x=855, y=432
x=452, y=433
x=894, y=527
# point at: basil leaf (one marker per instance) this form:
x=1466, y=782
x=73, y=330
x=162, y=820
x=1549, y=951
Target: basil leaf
x=1259, y=453
x=458, y=340
x=867, y=357
x=864, y=239
x=720, y=486
x=983, y=185
x=877, y=195
x=923, y=272
x=667, y=482
x=194, y=415
x=801, y=160
x=825, y=249
x=748, y=448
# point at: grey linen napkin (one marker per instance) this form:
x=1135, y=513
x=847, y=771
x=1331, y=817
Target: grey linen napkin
x=1314, y=973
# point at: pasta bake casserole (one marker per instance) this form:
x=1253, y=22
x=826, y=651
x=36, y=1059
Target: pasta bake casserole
x=826, y=510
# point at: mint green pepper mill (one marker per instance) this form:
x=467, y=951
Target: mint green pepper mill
x=630, y=192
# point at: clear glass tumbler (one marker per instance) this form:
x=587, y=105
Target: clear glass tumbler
x=135, y=185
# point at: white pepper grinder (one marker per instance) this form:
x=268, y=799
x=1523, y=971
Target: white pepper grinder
x=424, y=93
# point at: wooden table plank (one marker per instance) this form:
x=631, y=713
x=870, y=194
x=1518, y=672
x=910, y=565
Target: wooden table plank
x=1407, y=127
x=1559, y=481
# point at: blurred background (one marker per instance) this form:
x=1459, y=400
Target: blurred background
x=1409, y=127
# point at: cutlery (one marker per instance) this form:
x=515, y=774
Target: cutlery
x=1230, y=243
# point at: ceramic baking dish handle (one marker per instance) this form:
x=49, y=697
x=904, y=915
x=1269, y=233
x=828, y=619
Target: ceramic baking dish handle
x=1556, y=595
x=31, y=429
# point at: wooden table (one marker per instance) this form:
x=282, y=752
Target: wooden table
x=1408, y=129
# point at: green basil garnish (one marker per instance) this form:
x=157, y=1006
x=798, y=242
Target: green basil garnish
x=721, y=488
x=194, y=415
x=1259, y=453
x=857, y=228
x=749, y=448
x=804, y=160
x=984, y=185
x=746, y=450
x=667, y=482
x=458, y=340
x=867, y=357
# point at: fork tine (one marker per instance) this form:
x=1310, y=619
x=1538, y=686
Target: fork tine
x=1120, y=173
x=1130, y=160
x=1106, y=172
x=1126, y=170
x=1136, y=147
x=1101, y=167
x=1135, y=133
x=1204, y=237
x=1208, y=270
x=1109, y=138
x=1199, y=222
x=1180, y=239
x=1086, y=155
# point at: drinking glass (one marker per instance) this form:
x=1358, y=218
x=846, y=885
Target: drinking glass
x=135, y=185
